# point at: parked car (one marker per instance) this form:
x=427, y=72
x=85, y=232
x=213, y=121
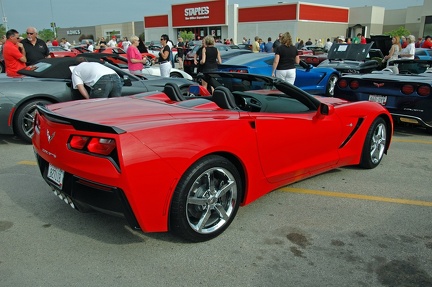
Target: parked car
x=318, y=81
x=60, y=52
x=119, y=51
x=423, y=54
x=225, y=50
x=50, y=82
x=186, y=166
x=404, y=88
x=353, y=59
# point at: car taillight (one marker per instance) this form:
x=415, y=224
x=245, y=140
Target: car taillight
x=102, y=146
x=354, y=84
x=342, y=84
x=78, y=142
x=407, y=89
x=423, y=91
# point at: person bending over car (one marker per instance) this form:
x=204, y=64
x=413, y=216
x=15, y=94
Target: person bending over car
x=102, y=81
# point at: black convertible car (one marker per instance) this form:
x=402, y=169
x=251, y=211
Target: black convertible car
x=404, y=88
x=353, y=58
x=50, y=82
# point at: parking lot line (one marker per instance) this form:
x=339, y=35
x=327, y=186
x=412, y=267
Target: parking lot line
x=356, y=196
x=27, y=162
x=410, y=141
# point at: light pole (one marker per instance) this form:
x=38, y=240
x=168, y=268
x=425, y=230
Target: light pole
x=4, y=15
x=53, y=24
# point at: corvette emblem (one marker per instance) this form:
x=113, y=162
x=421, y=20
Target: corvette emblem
x=50, y=137
x=378, y=85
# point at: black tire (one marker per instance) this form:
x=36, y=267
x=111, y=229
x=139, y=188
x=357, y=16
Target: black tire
x=176, y=75
x=199, y=213
x=331, y=84
x=375, y=144
x=149, y=62
x=23, y=119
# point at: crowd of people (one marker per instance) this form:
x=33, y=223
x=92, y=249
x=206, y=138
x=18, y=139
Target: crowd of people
x=19, y=53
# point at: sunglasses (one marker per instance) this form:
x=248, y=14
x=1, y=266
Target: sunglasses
x=29, y=33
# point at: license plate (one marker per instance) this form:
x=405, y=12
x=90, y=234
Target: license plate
x=56, y=175
x=378, y=99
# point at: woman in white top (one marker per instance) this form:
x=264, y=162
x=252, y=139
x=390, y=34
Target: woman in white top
x=394, y=50
x=409, y=51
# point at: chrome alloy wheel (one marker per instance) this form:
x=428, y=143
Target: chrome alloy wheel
x=378, y=143
x=211, y=200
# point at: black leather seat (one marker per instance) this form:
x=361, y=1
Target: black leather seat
x=173, y=92
x=223, y=97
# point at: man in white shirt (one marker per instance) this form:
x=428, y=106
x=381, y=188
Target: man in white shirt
x=409, y=51
x=102, y=81
x=113, y=42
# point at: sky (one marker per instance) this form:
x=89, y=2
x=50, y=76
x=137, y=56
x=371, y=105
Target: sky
x=21, y=14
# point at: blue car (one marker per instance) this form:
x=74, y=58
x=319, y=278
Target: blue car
x=423, y=54
x=316, y=81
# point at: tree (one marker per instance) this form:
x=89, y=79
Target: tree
x=46, y=34
x=187, y=36
x=2, y=30
x=401, y=31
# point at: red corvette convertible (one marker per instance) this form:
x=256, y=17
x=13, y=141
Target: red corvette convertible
x=167, y=161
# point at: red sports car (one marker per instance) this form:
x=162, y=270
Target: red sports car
x=119, y=51
x=166, y=161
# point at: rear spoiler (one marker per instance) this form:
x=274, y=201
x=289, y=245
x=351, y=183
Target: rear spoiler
x=77, y=124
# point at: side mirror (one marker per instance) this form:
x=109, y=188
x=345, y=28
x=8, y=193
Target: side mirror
x=325, y=109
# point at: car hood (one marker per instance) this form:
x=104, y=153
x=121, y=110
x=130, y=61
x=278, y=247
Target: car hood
x=354, y=52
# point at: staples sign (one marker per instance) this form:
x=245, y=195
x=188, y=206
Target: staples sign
x=197, y=13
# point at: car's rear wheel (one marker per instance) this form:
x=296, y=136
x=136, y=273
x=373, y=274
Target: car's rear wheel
x=149, y=62
x=331, y=83
x=176, y=75
x=23, y=123
x=375, y=144
x=206, y=199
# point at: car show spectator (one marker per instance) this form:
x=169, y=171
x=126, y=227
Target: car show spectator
x=210, y=57
x=404, y=42
x=55, y=43
x=102, y=81
x=427, y=42
x=286, y=57
x=308, y=42
x=134, y=57
x=276, y=43
x=126, y=43
x=180, y=52
x=142, y=46
x=394, y=50
x=65, y=44
x=269, y=45
x=409, y=51
x=14, y=54
x=328, y=45
x=102, y=43
x=36, y=49
x=256, y=45
x=113, y=42
x=164, y=57
x=90, y=46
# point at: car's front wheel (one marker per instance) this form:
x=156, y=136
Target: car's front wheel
x=206, y=199
x=375, y=144
x=331, y=83
x=23, y=123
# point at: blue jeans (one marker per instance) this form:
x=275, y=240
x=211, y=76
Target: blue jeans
x=107, y=86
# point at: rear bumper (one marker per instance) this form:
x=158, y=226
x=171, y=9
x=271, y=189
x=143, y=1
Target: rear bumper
x=83, y=194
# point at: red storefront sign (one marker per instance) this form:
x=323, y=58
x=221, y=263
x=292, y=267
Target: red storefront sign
x=199, y=14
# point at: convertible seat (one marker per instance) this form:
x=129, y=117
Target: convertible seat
x=223, y=97
x=173, y=92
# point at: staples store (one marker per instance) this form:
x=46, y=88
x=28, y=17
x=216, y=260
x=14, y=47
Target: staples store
x=217, y=18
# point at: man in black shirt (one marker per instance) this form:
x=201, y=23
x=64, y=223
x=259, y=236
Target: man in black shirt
x=36, y=49
x=277, y=42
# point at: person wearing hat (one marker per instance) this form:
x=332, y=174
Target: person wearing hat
x=341, y=39
x=113, y=42
x=427, y=42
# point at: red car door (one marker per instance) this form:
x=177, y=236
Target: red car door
x=292, y=145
